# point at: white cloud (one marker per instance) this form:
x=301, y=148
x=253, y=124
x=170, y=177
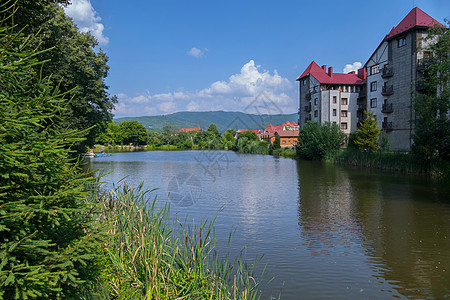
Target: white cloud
x=167, y=107
x=195, y=52
x=352, y=67
x=252, y=90
x=192, y=106
x=85, y=16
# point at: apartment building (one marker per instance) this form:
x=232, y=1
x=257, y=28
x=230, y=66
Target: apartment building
x=393, y=71
x=385, y=85
x=330, y=97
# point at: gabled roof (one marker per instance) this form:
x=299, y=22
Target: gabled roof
x=334, y=78
x=416, y=18
x=288, y=133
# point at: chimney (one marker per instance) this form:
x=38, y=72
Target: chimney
x=362, y=73
x=353, y=72
x=324, y=67
x=330, y=71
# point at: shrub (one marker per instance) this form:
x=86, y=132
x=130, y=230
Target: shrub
x=315, y=140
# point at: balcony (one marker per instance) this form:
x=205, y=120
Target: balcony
x=388, y=71
x=362, y=93
x=422, y=64
x=308, y=96
x=420, y=86
x=387, y=126
x=387, y=90
x=308, y=108
x=387, y=108
x=308, y=118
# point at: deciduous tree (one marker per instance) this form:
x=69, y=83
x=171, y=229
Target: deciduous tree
x=432, y=107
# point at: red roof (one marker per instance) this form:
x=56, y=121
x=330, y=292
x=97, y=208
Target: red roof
x=190, y=129
x=415, y=18
x=272, y=128
x=329, y=77
x=288, y=133
x=292, y=124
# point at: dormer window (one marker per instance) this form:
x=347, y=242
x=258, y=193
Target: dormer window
x=401, y=42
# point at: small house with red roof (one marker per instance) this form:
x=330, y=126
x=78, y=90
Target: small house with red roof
x=286, y=130
x=190, y=129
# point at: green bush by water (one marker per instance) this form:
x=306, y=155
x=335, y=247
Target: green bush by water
x=392, y=161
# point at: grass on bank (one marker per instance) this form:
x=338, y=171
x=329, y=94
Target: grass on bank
x=403, y=162
x=150, y=256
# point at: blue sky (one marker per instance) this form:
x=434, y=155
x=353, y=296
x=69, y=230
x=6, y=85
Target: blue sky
x=168, y=56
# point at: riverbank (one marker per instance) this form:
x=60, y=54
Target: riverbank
x=284, y=152
x=401, y=162
x=148, y=255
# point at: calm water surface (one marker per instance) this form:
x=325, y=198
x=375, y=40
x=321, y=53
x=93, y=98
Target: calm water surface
x=326, y=232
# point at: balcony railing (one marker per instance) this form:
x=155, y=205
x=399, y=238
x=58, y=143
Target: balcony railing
x=387, y=71
x=362, y=93
x=387, y=108
x=362, y=106
x=387, y=90
x=420, y=86
x=422, y=64
x=308, y=108
x=387, y=126
x=308, y=96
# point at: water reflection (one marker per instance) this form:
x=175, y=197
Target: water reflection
x=325, y=232
x=395, y=219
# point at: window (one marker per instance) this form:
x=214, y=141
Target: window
x=344, y=113
x=334, y=112
x=304, y=81
x=316, y=101
x=343, y=125
x=373, y=86
x=284, y=142
x=344, y=101
x=401, y=42
x=373, y=102
x=316, y=113
x=334, y=99
x=334, y=122
x=374, y=69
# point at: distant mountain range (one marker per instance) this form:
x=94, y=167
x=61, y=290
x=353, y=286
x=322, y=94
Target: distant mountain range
x=222, y=119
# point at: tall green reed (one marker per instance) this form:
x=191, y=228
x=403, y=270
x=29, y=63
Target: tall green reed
x=149, y=255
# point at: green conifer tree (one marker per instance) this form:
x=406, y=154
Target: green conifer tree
x=47, y=242
x=368, y=133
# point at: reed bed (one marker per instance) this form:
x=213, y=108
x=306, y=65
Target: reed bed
x=149, y=255
x=404, y=162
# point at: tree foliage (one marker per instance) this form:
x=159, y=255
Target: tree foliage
x=213, y=128
x=315, y=140
x=432, y=107
x=47, y=242
x=75, y=66
x=368, y=134
x=133, y=132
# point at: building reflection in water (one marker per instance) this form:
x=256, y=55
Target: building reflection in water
x=401, y=222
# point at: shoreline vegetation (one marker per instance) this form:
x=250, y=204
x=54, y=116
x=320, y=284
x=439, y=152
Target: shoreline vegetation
x=397, y=162
x=149, y=255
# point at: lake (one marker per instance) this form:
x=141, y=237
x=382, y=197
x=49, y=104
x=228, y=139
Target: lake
x=326, y=232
